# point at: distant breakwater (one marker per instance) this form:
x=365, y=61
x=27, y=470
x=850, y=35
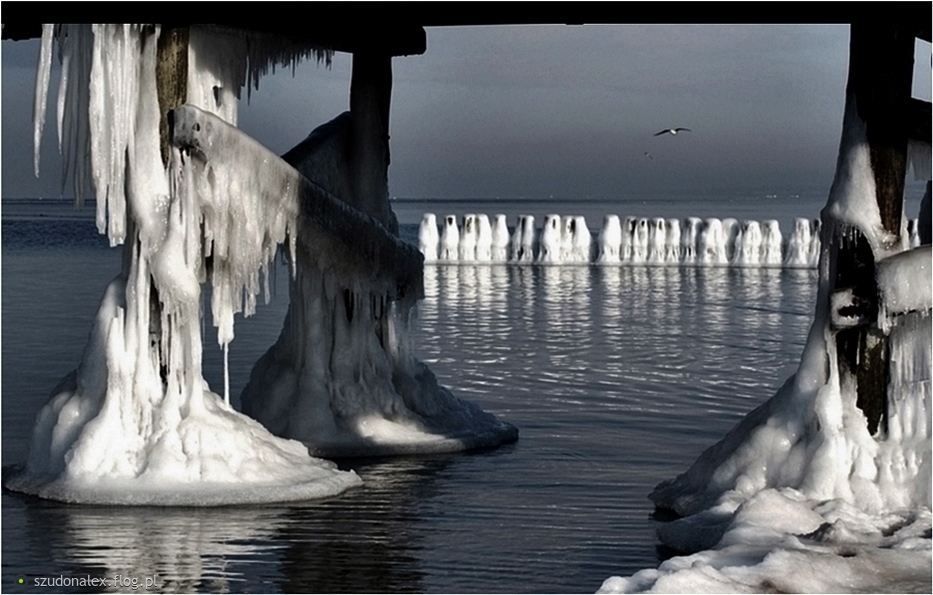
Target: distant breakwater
x=475, y=238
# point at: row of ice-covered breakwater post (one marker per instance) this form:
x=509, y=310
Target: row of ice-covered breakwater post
x=635, y=240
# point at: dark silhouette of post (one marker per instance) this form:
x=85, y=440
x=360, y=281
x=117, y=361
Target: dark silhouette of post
x=370, y=98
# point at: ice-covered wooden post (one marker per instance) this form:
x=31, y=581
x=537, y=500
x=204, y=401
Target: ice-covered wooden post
x=852, y=425
x=342, y=377
x=136, y=423
x=171, y=79
x=880, y=73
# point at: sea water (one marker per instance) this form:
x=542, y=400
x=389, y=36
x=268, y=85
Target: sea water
x=617, y=378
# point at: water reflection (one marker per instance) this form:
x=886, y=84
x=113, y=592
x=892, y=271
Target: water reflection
x=184, y=549
x=363, y=541
x=603, y=369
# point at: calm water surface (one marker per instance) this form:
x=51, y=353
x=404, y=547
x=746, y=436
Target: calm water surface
x=617, y=378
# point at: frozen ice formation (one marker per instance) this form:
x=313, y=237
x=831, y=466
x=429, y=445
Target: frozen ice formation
x=632, y=241
x=804, y=481
x=428, y=238
x=610, y=238
x=342, y=377
x=136, y=423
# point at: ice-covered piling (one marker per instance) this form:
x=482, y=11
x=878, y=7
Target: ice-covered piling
x=500, y=239
x=672, y=250
x=771, y=244
x=711, y=246
x=551, y=247
x=638, y=241
x=468, y=237
x=845, y=442
x=690, y=239
x=428, y=238
x=342, y=377
x=748, y=245
x=657, y=238
x=483, y=239
x=798, y=247
x=450, y=239
x=610, y=240
x=581, y=241
x=137, y=423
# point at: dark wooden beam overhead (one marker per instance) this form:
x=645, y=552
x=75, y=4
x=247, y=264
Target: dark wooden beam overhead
x=401, y=38
x=397, y=27
x=387, y=38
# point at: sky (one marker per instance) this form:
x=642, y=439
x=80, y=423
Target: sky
x=542, y=111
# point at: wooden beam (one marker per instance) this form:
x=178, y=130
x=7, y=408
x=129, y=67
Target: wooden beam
x=395, y=37
x=171, y=80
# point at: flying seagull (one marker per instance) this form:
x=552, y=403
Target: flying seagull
x=672, y=131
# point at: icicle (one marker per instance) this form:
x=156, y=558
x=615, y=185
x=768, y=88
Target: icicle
x=227, y=374
x=42, y=91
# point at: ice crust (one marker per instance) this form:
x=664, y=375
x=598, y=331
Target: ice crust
x=136, y=423
x=799, y=497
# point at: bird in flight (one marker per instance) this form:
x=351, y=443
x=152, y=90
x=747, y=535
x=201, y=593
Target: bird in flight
x=672, y=131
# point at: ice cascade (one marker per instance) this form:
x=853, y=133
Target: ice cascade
x=136, y=423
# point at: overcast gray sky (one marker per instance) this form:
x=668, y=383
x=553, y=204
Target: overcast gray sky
x=564, y=111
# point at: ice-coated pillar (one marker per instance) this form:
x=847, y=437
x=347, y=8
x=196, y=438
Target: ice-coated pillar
x=610, y=240
x=428, y=237
x=500, y=239
x=450, y=239
x=551, y=240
